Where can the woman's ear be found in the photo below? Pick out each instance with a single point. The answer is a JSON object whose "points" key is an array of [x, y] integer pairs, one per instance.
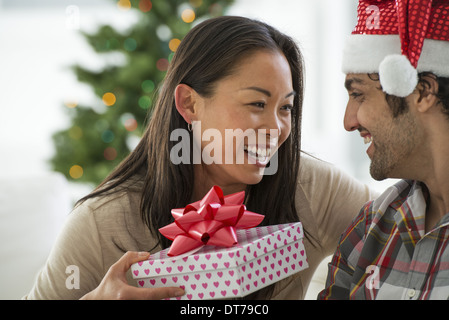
{"points": [[185, 100]]}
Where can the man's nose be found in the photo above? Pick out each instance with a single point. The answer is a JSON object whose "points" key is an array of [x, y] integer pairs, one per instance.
{"points": [[350, 120]]}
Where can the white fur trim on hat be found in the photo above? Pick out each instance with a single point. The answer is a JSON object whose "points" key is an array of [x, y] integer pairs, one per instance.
{"points": [[364, 53], [397, 76]]}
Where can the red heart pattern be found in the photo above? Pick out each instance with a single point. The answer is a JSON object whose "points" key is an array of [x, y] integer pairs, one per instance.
{"points": [[264, 255]]}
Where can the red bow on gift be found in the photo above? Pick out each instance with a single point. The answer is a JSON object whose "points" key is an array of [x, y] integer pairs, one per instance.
{"points": [[210, 221]]}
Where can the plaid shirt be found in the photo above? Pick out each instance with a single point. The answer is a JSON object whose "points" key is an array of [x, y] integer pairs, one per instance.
{"points": [[385, 253]]}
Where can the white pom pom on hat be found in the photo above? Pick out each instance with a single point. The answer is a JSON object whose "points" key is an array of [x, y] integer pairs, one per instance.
{"points": [[397, 76]]}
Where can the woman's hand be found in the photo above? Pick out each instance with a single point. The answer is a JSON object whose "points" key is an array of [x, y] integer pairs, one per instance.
{"points": [[114, 285]]}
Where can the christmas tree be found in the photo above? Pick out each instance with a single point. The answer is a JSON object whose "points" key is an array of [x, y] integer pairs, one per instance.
{"points": [[97, 141]]}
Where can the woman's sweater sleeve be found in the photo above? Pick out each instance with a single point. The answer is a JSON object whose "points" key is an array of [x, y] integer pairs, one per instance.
{"points": [[74, 266]]}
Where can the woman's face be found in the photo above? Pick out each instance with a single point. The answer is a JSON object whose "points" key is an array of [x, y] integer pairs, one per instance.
{"points": [[244, 122]]}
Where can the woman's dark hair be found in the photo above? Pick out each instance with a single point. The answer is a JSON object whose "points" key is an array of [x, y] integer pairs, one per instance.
{"points": [[208, 53]]}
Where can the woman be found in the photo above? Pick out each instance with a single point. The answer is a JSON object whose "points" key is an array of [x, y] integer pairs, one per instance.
{"points": [[228, 73]]}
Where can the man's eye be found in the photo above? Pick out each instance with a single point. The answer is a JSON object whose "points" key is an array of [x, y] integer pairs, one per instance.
{"points": [[357, 96]]}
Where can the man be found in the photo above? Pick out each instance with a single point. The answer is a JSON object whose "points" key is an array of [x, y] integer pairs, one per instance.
{"points": [[397, 66]]}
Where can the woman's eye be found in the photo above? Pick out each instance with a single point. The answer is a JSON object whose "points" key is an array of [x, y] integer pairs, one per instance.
{"points": [[287, 107], [258, 104]]}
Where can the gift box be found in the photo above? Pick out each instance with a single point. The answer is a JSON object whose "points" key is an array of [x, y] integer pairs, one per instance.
{"points": [[262, 256]]}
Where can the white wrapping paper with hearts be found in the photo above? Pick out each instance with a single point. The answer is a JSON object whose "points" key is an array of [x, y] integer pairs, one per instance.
{"points": [[263, 255]]}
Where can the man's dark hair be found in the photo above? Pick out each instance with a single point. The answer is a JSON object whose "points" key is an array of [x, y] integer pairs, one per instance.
{"points": [[399, 105]]}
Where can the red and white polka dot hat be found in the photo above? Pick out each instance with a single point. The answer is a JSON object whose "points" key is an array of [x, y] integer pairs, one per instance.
{"points": [[398, 39]]}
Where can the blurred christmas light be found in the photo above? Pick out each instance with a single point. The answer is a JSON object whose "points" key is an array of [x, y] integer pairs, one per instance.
{"points": [[188, 15], [174, 44], [107, 136], [110, 153], [132, 141], [75, 132], [130, 44], [163, 32], [131, 125], [162, 64], [71, 104], [125, 117], [76, 172], [109, 99], [124, 5], [145, 5], [148, 86], [129, 121], [145, 102]]}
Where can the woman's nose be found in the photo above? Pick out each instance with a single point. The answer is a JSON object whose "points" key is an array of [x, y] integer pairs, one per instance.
{"points": [[274, 126]]}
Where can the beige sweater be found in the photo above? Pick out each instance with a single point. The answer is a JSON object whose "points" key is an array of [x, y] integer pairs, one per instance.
{"points": [[98, 232]]}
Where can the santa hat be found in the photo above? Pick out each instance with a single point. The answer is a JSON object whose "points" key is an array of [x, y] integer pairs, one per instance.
{"points": [[399, 39]]}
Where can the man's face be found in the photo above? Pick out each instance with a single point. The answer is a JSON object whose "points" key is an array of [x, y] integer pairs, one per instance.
{"points": [[392, 140]]}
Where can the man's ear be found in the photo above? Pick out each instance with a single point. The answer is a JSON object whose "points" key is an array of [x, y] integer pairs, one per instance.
{"points": [[185, 100], [428, 90]]}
